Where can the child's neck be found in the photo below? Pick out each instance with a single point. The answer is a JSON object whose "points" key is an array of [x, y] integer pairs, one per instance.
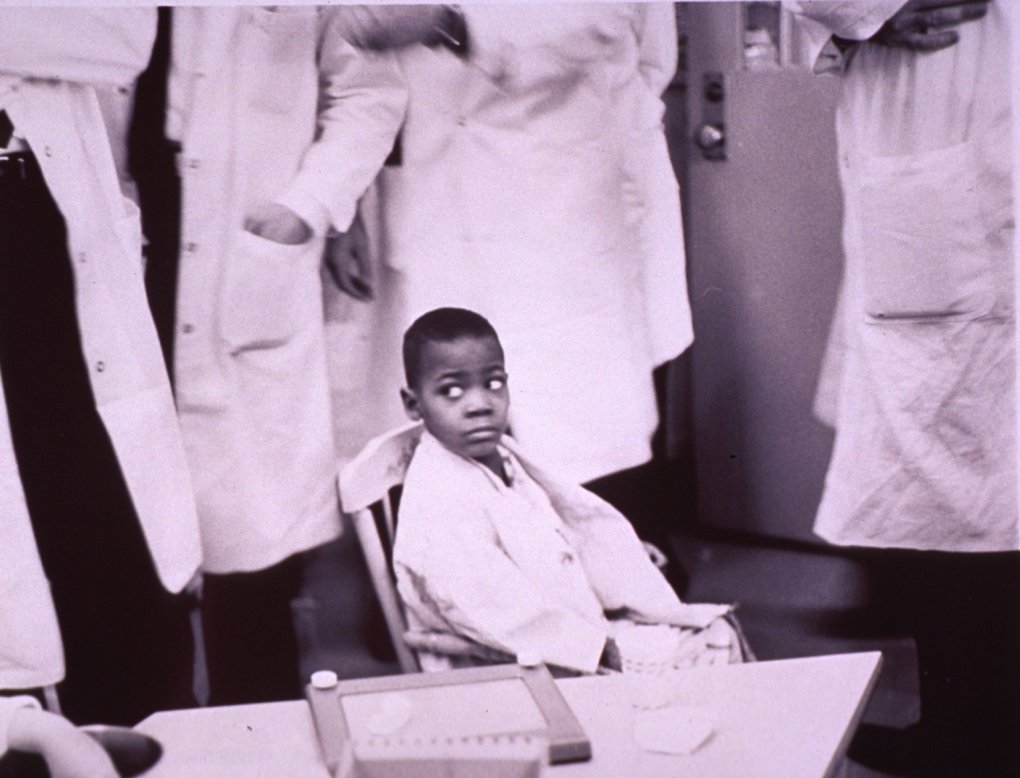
{"points": [[495, 463]]}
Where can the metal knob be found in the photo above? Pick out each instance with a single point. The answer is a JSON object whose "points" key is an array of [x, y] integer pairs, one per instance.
{"points": [[710, 137]]}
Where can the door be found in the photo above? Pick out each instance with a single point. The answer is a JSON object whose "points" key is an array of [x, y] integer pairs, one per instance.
{"points": [[762, 218]]}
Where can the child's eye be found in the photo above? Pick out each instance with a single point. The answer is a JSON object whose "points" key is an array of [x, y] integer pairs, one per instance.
{"points": [[495, 384], [452, 392]]}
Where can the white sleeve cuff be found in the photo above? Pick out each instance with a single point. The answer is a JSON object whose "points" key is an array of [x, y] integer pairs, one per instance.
{"points": [[311, 211], [855, 20], [8, 707]]}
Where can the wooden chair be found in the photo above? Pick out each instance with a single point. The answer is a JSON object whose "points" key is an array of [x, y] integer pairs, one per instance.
{"points": [[369, 492], [370, 486]]}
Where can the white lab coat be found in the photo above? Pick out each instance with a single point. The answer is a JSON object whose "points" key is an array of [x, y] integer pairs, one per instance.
{"points": [[8, 707], [525, 568], [249, 355], [60, 118], [535, 188], [920, 376]]}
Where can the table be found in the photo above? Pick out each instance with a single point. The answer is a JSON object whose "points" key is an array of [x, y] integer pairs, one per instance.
{"points": [[790, 718]]}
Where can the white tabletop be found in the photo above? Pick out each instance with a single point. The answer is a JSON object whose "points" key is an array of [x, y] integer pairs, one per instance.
{"points": [[787, 718]]}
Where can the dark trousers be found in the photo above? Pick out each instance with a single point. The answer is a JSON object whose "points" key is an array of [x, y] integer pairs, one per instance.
{"points": [[249, 636], [127, 641], [963, 611], [248, 631]]}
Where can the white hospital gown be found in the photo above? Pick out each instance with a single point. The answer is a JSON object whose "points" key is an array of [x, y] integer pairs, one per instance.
{"points": [[523, 568]]}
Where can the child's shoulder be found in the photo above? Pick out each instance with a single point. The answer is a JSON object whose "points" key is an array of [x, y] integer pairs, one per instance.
{"points": [[431, 459], [438, 480]]}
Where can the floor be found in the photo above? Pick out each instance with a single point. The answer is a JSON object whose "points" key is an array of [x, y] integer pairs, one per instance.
{"points": [[790, 603], [795, 603]]}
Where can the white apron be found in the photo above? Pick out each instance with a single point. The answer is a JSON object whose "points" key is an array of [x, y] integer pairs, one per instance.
{"points": [[921, 370]]}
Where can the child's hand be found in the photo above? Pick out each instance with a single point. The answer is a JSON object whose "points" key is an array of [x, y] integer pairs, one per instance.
{"points": [[69, 752], [717, 644]]}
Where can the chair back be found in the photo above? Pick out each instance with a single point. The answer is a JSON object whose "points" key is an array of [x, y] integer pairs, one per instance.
{"points": [[367, 486]]}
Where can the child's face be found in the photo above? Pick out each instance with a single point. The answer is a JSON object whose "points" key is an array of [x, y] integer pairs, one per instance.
{"points": [[462, 396]]}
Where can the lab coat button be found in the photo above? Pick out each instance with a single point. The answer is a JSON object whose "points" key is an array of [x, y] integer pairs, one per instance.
{"points": [[48, 151], [567, 558], [100, 366], [194, 164], [191, 248], [461, 121], [82, 257], [187, 329]]}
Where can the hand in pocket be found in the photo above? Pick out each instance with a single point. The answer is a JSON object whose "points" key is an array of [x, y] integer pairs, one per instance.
{"points": [[279, 224]]}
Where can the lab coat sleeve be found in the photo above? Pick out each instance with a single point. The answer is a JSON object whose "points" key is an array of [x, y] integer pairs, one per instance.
{"points": [[820, 20], [362, 104], [466, 578], [101, 46], [852, 19], [655, 28], [8, 707]]}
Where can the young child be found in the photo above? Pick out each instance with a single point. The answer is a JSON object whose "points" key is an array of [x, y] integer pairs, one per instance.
{"points": [[492, 549]]}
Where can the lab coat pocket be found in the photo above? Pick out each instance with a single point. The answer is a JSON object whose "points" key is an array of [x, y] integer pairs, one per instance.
{"points": [[922, 236], [272, 292]]}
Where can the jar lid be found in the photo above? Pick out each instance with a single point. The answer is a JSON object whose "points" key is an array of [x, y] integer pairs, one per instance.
{"points": [[324, 679]]}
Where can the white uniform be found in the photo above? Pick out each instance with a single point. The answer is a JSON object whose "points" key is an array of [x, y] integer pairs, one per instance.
{"points": [[60, 118], [535, 188], [246, 87], [920, 378], [8, 707]]}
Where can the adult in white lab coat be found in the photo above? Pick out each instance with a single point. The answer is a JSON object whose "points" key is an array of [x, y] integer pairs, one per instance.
{"points": [[283, 125], [920, 377], [534, 186], [97, 523]]}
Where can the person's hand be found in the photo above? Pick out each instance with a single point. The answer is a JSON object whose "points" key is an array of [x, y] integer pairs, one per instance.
{"points": [[350, 263], [385, 27], [68, 751], [277, 223], [717, 644], [929, 25]]}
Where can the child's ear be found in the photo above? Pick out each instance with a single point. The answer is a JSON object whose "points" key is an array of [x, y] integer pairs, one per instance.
{"points": [[410, 401]]}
